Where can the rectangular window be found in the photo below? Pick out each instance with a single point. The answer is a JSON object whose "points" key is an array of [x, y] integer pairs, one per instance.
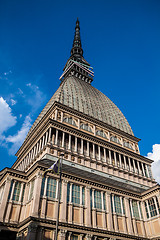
{"points": [[74, 237], [152, 207], [158, 204], [117, 204], [146, 209], [123, 206], [31, 190], [135, 209], [42, 186], [104, 201], [97, 199], [68, 191], [83, 196], [16, 192], [75, 194], [51, 187], [23, 192]]}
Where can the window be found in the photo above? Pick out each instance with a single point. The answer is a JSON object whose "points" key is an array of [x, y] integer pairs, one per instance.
{"points": [[75, 194], [152, 207], [69, 120], [117, 204], [101, 134], [97, 199], [158, 204], [86, 127], [150, 172], [16, 192], [128, 145], [115, 139], [74, 237], [23, 193], [42, 186], [51, 187], [135, 209], [83, 196], [31, 190], [146, 209]]}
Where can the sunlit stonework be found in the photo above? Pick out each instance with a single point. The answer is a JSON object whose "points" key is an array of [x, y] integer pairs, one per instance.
{"points": [[108, 191]]}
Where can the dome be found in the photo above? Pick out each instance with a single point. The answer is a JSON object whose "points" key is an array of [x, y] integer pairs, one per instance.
{"points": [[83, 97]]}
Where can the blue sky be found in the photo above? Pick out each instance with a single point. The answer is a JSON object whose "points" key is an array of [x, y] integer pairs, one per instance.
{"points": [[120, 40]]}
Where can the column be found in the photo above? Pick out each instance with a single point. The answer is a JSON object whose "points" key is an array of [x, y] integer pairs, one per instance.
{"points": [[145, 223], [143, 169], [123, 216], [125, 164], [105, 160], [139, 170], [37, 194], [70, 207], [133, 218], [49, 137], [103, 212], [128, 216], [69, 144], [41, 140], [81, 207], [147, 170], [61, 116], [56, 138], [63, 137], [87, 148], [63, 210], [134, 166], [81, 146], [93, 150], [89, 237], [88, 207], [56, 113], [99, 153], [109, 212], [44, 199], [129, 162], [141, 218], [93, 210], [110, 157], [114, 214], [46, 138], [120, 160], [115, 158], [75, 149]]}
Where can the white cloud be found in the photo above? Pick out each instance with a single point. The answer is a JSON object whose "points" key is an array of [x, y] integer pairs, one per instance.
{"points": [[19, 137], [155, 155], [13, 102], [7, 119]]}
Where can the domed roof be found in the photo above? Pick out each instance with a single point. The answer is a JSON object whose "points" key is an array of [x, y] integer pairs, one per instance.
{"points": [[83, 97]]}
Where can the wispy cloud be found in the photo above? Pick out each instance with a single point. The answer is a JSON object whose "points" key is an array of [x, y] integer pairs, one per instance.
{"points": [[35, 97], [7, 119], [17, 139], [155, 155], [13, 102]]}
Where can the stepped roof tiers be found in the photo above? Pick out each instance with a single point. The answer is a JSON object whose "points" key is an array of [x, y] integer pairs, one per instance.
{"points": [[108, 191]]}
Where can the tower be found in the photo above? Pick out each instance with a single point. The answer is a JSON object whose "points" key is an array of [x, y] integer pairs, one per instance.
{"points": [[108, 191]]}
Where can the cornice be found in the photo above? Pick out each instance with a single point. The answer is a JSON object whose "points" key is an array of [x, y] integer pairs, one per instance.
{"points": [[88, 136], [50, 224]]}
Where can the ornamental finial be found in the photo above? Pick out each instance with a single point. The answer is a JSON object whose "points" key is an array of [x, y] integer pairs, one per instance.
{"points": [[77, 50]]}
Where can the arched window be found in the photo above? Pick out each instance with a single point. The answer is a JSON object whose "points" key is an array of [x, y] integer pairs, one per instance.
{"points": [[115, 139], [101, 133], [128, 145], [69, 120], [86, 127]]}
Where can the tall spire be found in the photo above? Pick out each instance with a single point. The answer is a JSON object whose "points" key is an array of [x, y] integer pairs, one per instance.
{"points": [[76, 65], [77, 50]]}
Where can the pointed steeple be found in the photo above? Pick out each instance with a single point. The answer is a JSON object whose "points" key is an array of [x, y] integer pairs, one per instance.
{"points": [[76, 65], [77, 50]]}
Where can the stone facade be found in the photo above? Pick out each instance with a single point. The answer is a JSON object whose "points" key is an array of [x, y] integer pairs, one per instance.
{"points": [[107, 191]]}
